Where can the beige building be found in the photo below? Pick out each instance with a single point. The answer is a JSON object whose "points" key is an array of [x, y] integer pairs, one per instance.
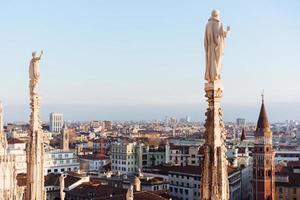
{"points": [[184, 155]]}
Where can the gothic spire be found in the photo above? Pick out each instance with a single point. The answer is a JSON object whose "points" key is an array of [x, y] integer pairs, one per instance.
{"points": [[263, 122], [243, 136]]}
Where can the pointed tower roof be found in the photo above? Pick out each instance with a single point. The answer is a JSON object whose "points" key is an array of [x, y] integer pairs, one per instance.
{"points": [[263, 122], [64, 127], [243, 136]]}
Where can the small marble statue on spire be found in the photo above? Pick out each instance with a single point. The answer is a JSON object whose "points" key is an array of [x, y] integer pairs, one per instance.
{"points": [[35, 146], [34, 71], [62, 186], [214, 46]]}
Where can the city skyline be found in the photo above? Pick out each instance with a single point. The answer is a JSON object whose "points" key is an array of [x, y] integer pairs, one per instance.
{"points": [[146, 60]]}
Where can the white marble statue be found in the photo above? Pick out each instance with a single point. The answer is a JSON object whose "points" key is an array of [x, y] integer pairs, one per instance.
{"points": [[34, 71], [129, 194], [214, 46]]}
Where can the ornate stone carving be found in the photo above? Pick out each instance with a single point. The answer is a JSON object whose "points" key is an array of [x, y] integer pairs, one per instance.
{"points": [[35, 147], [214, 180]]}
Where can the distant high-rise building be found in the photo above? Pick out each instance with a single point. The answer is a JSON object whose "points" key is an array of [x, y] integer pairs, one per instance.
{"points": [[241, 122], [56, 122], [263, 182], [187, 119]]}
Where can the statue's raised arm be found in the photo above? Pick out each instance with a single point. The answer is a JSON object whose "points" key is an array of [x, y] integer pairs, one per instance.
{"points": [[214, 46], [42, 52]]}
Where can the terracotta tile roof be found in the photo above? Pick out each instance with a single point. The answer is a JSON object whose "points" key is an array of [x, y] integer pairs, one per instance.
{"points": [[97, 191], [53, 180], [231, 170], [147, 195], [14, 141], [242, 150], [194, 170]]}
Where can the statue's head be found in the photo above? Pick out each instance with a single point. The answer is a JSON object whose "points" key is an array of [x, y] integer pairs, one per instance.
{"points": [[215, 14], [33, 54]]}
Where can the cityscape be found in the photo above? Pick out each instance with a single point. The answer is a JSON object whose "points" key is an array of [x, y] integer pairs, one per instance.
{"points": [[142, 154]]}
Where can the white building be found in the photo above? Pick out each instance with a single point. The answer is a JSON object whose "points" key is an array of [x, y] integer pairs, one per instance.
{"points": [[57, 161], [94, 162], [124, 158], [184, 155], [149, 156], [56, 122]]}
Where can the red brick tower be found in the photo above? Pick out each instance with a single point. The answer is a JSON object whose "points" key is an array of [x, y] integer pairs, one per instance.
{"points": [[263, 181], [101, 150]]}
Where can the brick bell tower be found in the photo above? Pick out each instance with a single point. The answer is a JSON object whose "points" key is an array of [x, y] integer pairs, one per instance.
{"points": [[263, 181]]}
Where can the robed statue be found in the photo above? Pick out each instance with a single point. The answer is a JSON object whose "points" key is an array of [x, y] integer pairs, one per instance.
{"points": [[34, 71], [62, 186], [214, 46]]}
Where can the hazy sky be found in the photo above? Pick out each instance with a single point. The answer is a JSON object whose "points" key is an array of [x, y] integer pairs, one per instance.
{"points": [[145, 59]]}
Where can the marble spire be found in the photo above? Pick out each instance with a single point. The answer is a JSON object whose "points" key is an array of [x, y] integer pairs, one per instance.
{"points": [[35, 148], [214, 179]]}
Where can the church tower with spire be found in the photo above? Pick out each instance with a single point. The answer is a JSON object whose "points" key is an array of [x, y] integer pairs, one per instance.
{"points": [[263, 181]]}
